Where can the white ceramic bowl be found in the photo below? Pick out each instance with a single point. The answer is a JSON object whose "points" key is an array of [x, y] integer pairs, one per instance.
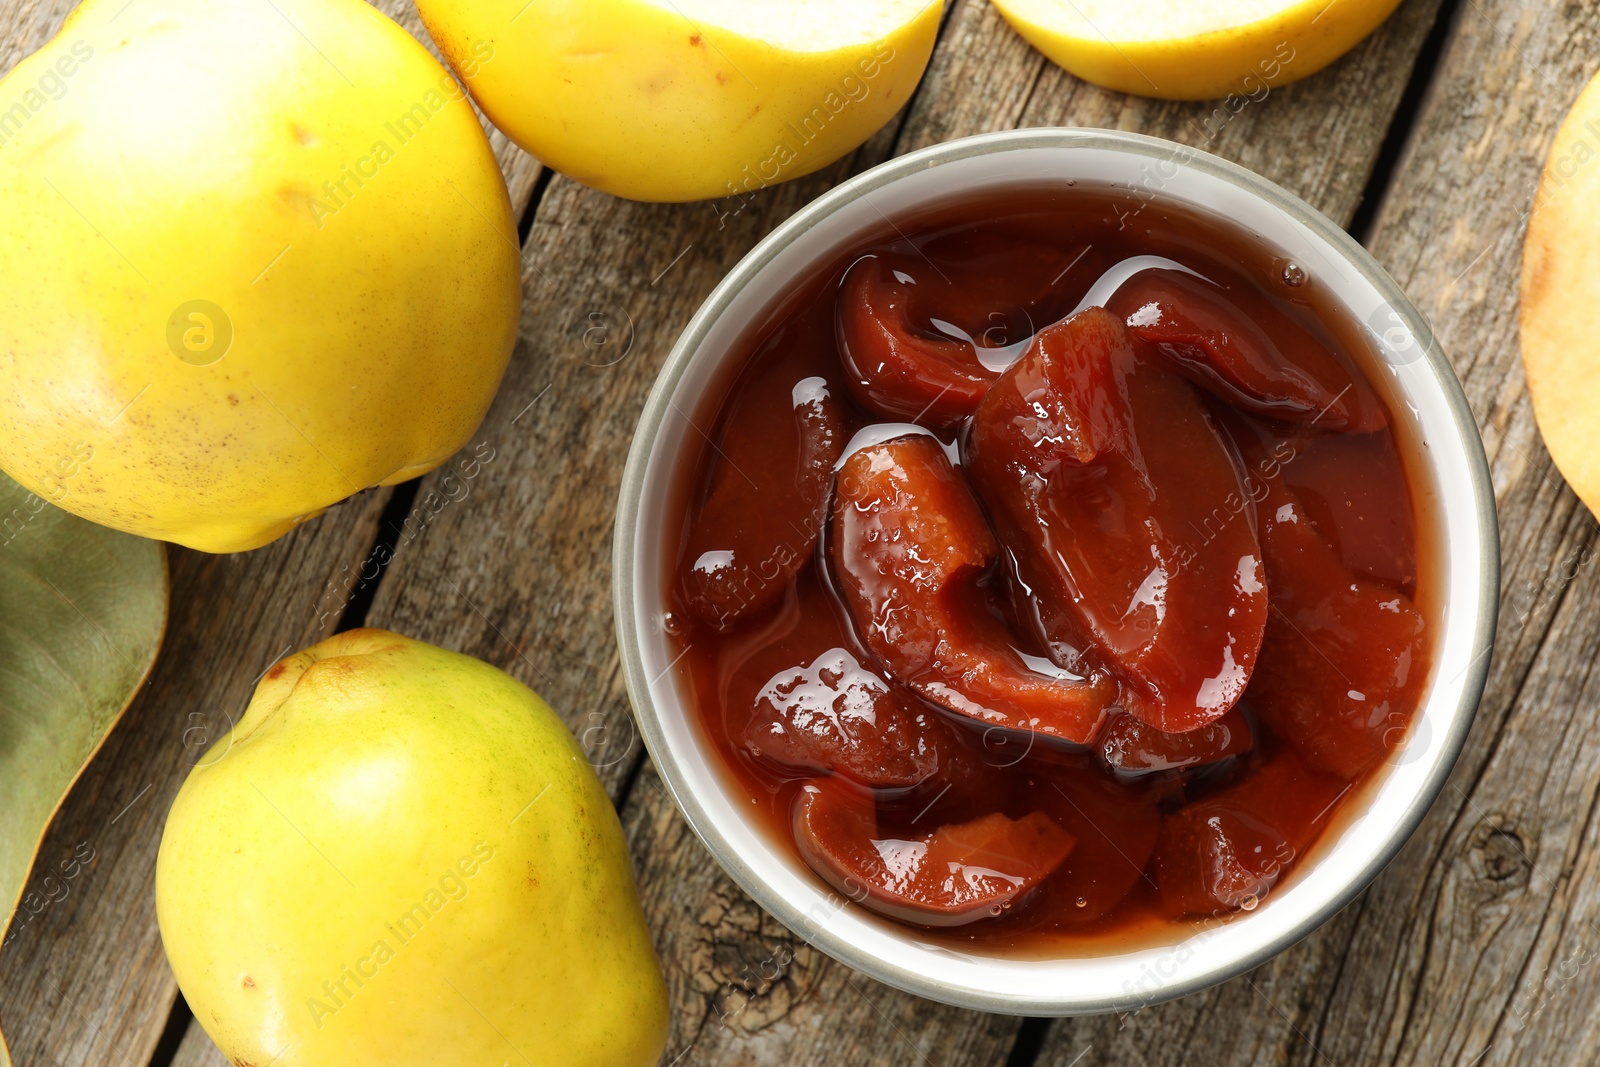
{"points": [[1450, 481]]}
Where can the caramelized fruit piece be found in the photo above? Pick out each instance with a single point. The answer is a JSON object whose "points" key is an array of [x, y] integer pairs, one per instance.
{"points": [[923, 343], [1344, 660], [760, 523], [894, 369], [956, 875], [1226, 852], [836, 715], [1258, 358], [1130, 527], [1355, 488], [908, 547], [1132, 746], [1115, 825]]}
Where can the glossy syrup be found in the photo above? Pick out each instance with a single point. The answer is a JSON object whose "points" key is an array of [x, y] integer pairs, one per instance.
{"points": [[1352, 487]]}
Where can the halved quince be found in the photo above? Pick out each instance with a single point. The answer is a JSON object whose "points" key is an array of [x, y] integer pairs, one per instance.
{"points": [[1194, 49], [673, 100], [1560, 280]]}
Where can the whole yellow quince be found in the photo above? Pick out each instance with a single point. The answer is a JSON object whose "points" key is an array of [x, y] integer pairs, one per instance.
{"points": [[254, 258], [674, 100], [400, 857]]}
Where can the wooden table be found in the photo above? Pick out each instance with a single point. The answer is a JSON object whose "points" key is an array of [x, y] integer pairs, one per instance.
{"points": [[1476, 946]]}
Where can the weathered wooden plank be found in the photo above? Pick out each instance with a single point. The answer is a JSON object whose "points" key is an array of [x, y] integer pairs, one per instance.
{"points": [[1475, 946], [86, 981], [518, 569], [25, 25]]}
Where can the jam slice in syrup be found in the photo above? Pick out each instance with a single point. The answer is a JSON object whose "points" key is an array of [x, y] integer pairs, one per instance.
{"points": [[1131, 529], [908, 547], [952, 876], [837, 716], [1344, 662], [1130, 745], [1260, 359], [1115, 825], [760, 522], [1227, 851], [922, 342]]}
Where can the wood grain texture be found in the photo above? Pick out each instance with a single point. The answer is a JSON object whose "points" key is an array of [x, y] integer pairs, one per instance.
{"points": [[517, 571], [87, 981], [25, 25], [1478, 944]]}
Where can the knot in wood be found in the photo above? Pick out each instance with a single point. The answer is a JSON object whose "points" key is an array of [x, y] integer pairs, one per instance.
{"points": [[752, 967], [1502, 854]]}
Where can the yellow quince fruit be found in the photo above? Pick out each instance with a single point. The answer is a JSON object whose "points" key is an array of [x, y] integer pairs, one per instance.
{"points": [[400, 857], [1559, 312], [254, 258], [673, 100], [1194, 49]]}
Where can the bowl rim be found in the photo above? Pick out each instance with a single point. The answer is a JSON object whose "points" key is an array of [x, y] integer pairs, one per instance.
{"points": [[626, 550]]}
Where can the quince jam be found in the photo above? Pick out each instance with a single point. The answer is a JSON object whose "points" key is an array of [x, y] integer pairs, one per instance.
{"points": [[1051, 577]]}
